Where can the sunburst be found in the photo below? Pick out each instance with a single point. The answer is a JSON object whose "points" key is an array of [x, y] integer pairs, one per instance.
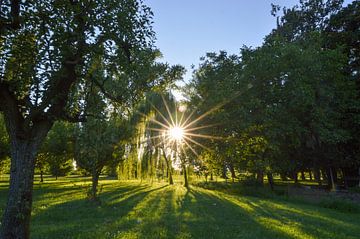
{"points": [[177, 131]]}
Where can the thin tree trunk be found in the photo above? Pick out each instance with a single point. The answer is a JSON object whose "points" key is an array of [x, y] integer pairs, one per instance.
{"points": [[260, 177], [331, 181], [95, 182], [186, 183], [303, 175], [224, 171], [232, 171], [317, 176], [41, 176], [295, 176], [271, 181], [310, 175], [168, 168]]}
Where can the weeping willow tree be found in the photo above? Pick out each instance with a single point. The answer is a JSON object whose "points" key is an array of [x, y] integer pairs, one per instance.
{"points": [[149, 153]]}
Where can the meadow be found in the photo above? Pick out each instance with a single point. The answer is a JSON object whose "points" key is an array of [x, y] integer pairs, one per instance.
{"points": [[134, 209]]}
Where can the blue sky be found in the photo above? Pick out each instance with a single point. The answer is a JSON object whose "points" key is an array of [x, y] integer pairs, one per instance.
{"points": [[187, 29]]}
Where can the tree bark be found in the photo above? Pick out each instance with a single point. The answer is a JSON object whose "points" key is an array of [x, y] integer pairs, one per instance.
{"points": [[303, 175], [168, 168], [41, 176], [186, 183], [271, 180], [16, 217], [295, 177], [232, 171], [95, 182], [260, 177], [317, 175]]}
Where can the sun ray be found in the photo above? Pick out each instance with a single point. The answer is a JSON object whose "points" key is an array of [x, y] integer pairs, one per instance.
{"points": [[197, 143], [187, 119], [176, 115], [204, 136], [155, 121], [180, 121], [200, 127], [203, 115], [158, 111], [191, 148], [162, 142], [216, 107], [168, 110]]}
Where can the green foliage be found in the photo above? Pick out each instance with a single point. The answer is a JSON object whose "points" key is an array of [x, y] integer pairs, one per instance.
{"points": [[4, 140], [291, 104], [56, 154]]}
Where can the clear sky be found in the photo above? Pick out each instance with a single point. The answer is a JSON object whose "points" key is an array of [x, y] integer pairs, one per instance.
{"points": [[187, 29]]}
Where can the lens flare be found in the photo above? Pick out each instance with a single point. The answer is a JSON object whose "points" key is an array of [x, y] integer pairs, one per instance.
{"points": [[176, 133]]}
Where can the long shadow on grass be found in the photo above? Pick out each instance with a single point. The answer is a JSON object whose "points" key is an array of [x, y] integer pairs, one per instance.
{"points": [[83, 219], [174, 212], [297, 220], [142, 211]]}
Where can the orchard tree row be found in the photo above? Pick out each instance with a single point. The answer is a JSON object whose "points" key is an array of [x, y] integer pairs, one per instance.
{"points": [[290, 106]]}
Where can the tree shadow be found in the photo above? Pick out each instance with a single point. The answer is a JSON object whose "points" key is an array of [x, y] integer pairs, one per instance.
{"points": [[160, 211], [81, 218]]}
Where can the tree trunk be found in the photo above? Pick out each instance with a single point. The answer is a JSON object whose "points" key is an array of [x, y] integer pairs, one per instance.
{"points": [[25, 141], [186, 183], [271, 181], [295, 177], [41, 176], [232, 171], [168, 168], [303, 175], [317, 176], [16, 217], [95, 182], [310, 175], [260, 177], [331, 180], [211, 177]]}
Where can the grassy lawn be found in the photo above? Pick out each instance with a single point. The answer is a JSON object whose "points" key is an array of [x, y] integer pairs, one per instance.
{"points": [[140, 210]]}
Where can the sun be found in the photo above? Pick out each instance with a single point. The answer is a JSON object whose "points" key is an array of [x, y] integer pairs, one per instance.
{"points": [[176, 133], [180, 130]]}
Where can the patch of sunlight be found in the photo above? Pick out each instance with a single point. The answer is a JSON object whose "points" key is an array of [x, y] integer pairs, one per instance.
{"points": [[315, 214], [244, 204], [292, 230], [144, 209]]}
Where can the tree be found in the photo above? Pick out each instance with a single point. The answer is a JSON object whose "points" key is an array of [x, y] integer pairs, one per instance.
{"points": [[96, 141], [47, 63], [57, 150]]}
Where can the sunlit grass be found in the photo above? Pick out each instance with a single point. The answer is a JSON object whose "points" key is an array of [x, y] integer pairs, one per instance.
{"points": [[141, 210]]}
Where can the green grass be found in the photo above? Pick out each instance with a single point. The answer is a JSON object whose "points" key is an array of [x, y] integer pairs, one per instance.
{"points": [[139, 210]]}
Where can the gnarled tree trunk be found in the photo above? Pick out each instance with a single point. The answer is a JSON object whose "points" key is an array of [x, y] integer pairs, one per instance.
{"points": [[16, 217]]}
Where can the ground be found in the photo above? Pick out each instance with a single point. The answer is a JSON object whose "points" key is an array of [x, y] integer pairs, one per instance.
{"points": [[134, 209]]}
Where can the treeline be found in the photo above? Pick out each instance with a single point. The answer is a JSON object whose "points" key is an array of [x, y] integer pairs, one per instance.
{"points": [[292, 105]]}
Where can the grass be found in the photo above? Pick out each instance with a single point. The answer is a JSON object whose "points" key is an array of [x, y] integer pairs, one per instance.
{"points": [[131, 209]]}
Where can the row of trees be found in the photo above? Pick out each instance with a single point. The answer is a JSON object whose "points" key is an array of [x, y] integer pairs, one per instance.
{"points": [[294, 103], [74, 76]]}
